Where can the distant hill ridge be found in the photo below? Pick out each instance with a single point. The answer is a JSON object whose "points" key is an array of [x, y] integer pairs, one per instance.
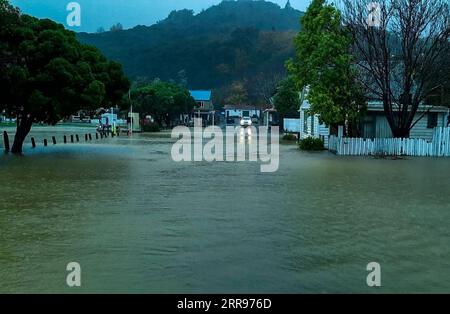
{"points": [[228, 42]]}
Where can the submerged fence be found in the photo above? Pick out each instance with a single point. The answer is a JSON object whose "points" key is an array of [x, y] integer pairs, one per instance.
{"points": [[73, 139], [439, 146]]}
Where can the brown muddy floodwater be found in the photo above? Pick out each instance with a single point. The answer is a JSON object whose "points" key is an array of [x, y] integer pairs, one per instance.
{"points": [[138, 222]]}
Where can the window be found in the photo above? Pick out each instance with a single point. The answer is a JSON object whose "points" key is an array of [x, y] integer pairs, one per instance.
{"points": [[432, 120], [312, 125]]}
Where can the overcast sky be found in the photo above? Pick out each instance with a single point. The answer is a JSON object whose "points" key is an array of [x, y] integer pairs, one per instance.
{"points": [[96, 13]]}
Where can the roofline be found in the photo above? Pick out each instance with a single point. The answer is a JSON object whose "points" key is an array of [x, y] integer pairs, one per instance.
{"points": [[377, 106]]}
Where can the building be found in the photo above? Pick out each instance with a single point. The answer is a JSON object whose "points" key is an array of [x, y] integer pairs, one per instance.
{"points": [[204, 107], [270, 117], [133, 122], [310, 125], [375, 124], [240, 111]]}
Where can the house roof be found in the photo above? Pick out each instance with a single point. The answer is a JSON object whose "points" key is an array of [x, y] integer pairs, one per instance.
{"points": [[375, 106], [305, 105], [378, 106], [201, 95]]}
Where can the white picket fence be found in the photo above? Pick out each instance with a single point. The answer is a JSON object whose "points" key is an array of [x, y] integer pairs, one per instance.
{"points": [[439, 146]]}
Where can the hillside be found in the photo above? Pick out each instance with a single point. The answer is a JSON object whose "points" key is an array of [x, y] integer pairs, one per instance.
{"points": [[234, 41]]}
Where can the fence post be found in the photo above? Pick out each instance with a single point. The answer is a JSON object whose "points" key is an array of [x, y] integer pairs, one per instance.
{"points": [[33, 143], [6, 141], [90, 137], [65, 139], [77, 137], [45, 142], [54, 140]]}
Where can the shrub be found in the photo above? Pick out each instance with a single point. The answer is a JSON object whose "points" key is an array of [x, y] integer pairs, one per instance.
{"points": [[151, 127], [289, 137], [311, 144]]}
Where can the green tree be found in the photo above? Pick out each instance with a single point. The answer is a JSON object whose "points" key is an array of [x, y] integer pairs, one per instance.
{"points": [[49, 75], [287, 99], [323, 63], [237, 94], [165, 101]]}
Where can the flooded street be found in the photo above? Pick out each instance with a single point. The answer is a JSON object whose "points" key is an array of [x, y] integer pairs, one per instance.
{"points": [[137, 221]]}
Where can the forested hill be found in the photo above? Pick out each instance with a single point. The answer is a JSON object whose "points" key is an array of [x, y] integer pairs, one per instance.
{"points": [[234, 41]]}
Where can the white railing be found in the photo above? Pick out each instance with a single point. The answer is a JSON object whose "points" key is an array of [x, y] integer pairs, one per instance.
{"points": [[439, 146]]}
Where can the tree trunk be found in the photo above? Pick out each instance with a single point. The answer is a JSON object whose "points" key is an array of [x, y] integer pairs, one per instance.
{"points": [[23, 128], [401, 132]]}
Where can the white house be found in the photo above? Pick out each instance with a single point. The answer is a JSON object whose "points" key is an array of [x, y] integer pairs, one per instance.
{"points": [[375, 124], [310, 125], [240, 111]]}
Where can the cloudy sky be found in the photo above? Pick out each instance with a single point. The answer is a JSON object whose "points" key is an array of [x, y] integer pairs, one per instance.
{"points": [[96, 13]]}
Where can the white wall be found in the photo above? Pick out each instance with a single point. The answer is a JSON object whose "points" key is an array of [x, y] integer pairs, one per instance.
{"points": [[292, 125], [420, 130], [238, 112], [313, 127]]}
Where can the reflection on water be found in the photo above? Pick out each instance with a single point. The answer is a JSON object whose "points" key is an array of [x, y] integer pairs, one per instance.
{"points": [[138, 222]]}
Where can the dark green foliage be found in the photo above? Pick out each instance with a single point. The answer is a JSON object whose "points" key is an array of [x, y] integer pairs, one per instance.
{"points": [[151, 127], [311, 144], [287, 99], [323, 63], [289, 137], [47, 75], [235, 41], [164, 101]]}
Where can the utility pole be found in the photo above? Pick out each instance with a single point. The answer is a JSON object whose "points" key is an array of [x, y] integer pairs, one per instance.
{"points": [[130, 131]]}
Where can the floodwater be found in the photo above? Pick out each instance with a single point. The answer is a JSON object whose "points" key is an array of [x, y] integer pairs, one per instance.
{"points": [[138, 222]]}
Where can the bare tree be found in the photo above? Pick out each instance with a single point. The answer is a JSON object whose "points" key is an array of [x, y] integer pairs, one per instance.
{"points": [[264, 86], [398, 45]]}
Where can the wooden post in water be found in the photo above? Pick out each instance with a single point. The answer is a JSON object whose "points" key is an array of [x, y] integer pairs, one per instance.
{"points": [[90, 137], [77, 137], [54, 140], [6, 141], [45, 142], [85, 137], [33, 143], [65, 139], [71, 138]]}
